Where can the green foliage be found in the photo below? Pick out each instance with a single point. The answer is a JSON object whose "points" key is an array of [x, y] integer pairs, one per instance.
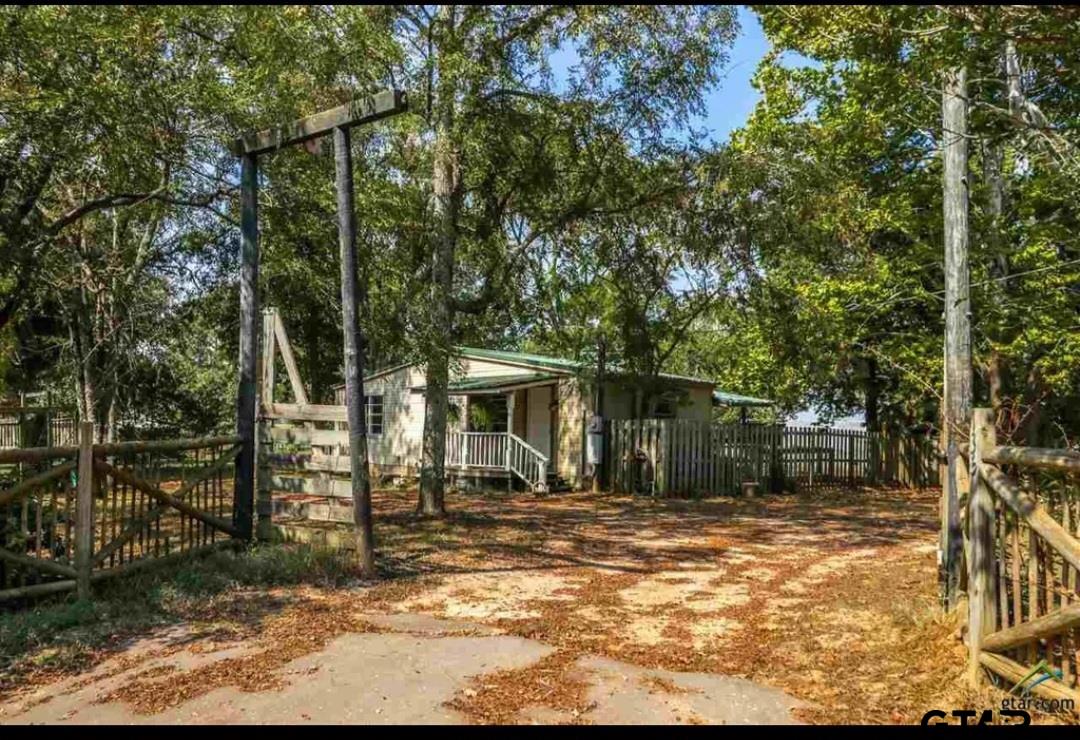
{"points": [[801, 262], [840, 175]]}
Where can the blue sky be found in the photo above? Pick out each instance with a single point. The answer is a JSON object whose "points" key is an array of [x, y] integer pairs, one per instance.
{"points": [[732, 101]]}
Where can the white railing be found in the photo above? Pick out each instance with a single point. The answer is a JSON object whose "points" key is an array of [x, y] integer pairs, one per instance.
{"points": [[10, 435], [498, 450], [527, 462], [476, 449]]}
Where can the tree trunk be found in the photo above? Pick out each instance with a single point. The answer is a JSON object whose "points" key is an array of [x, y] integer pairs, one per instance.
{"points": [[872, 422], [445, 184], [994, 156], [1034, 392], [873, 393], [958, 373]]}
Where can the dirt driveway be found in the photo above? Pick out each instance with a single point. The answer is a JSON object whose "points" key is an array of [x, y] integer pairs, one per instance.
{"points": [[569, 608]]}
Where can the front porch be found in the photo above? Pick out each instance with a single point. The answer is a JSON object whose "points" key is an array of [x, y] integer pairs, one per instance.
{"points": [[497, 455], [506, 427]]}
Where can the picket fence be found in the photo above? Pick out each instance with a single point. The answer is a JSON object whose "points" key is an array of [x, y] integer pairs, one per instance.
{"points": [[675, 457]]}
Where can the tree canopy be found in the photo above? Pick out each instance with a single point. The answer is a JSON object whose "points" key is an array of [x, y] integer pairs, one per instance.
{"points": [[549, 183]]}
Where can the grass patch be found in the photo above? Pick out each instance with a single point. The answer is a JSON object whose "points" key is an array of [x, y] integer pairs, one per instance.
{"points": [[61, 635]]}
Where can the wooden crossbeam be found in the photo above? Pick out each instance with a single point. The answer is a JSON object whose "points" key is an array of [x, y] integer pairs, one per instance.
{"points": [[1054, 623], [1037, 517], [36, 454], [49, 566], [306, 412], [18, 491], [165, 445], [159, 508], [312, 437], [1034, 457], [364, 109], [151, 490]]}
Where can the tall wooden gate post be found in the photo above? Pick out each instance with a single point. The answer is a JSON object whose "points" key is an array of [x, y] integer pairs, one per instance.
{"points": [[981, 582], [354, 348], [84, 511], [244, 486]]}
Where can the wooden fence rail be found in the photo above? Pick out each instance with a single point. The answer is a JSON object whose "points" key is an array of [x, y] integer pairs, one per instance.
{"points": [[682, 457], [73, 515], [1024, 566]]}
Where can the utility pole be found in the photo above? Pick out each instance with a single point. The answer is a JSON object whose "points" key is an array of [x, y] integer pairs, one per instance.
{"points": [[957, 401]]}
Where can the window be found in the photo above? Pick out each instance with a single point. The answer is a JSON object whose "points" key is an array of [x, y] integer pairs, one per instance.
{"points": [[374, 414], [488, 414], [664, 408]]}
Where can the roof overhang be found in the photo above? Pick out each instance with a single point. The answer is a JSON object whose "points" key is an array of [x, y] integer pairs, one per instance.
{"points": [[496, 384], [722, 398]]}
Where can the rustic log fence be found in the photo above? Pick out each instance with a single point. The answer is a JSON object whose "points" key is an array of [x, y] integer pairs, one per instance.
{"points": [[1023, 556], [72, 515], [684, 457]]}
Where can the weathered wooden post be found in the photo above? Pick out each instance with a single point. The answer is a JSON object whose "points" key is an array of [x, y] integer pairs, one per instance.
{"points": [[599, 478], [354, 359], [982, 587], [84, 511], [958, 373], [264, 507], [244, 486]]}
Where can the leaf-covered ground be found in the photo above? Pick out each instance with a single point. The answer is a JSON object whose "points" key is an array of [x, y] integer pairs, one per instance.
{"points": [[831, 599]]}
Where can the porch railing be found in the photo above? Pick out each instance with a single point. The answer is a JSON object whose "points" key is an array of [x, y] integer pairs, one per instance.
{"points": [[476, 449], [498, 450], [527, 462]]}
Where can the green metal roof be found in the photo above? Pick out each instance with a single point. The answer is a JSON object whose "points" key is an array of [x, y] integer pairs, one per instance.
{"points": [[522, 358], [734, 399], [562, 366], [557, 363], [493, 383]]}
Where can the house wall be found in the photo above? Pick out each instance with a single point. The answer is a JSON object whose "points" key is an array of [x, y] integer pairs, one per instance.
{"points": [[619, 402], [398, 448], [538, 421], [572, 415]]}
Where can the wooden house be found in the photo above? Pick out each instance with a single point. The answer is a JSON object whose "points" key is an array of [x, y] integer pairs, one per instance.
{"points": [[513, 415]]}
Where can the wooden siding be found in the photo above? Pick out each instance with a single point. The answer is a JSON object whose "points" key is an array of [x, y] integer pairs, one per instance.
{"points": [[572, 416], [398, 448]]}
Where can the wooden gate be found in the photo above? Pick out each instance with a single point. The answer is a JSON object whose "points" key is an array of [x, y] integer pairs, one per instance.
{"points": [[1024, 565], [73, 515]]}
